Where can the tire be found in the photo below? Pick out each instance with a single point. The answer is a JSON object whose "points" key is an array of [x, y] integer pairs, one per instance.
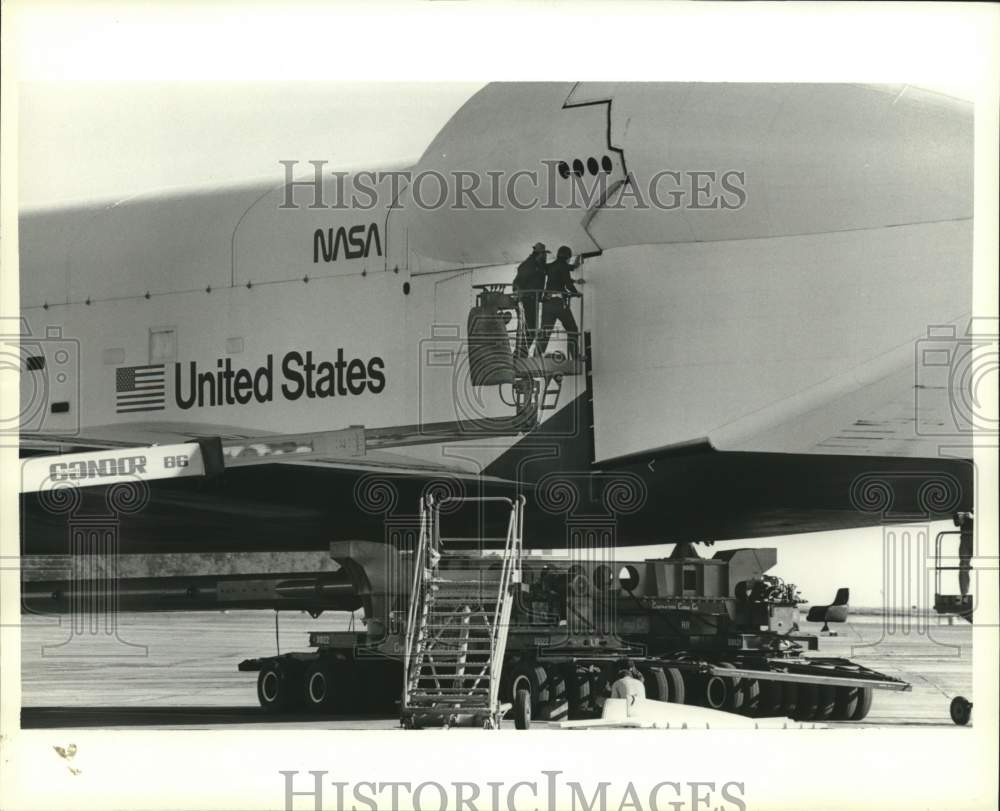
{"points": [[751, 698], [960, 710], [737, 696], [864, 704], [527, 674], [581, 703], [557, 706], [730, 692], [555, 683], [772, 699], [319, 685], [790, 699], [808, 701], [675, 679], [694, 688], [717, 692], [657, 686], [522, 709], [846, 703], [826, 697], [279, 686]]}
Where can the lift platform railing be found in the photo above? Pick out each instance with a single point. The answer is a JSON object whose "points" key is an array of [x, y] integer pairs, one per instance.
{"points": [[950, 604], [938, 568], [510, 303]]}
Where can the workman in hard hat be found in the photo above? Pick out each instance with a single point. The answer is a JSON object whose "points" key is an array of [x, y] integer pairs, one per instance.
{"points": [[559, 288], [529, 283]]}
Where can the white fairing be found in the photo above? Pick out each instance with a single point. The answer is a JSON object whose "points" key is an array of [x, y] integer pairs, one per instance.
{"points": [[782, 323]]}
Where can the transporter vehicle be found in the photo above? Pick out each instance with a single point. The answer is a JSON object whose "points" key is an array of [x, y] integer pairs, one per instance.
{"points": [[488, 630], [295, 376]]}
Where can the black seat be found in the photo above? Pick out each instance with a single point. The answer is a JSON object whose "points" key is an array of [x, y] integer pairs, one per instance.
{"points": [[835, 612]]}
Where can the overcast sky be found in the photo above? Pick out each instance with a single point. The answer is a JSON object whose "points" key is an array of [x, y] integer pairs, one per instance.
{"points": [[94, 140], [87, 140]]}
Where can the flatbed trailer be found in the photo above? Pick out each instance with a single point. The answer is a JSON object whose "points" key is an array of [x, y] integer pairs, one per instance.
{"points": [[717, 632]]}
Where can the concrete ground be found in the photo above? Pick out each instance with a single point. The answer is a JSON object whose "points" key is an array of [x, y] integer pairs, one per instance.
{"points": [[179, 670]]}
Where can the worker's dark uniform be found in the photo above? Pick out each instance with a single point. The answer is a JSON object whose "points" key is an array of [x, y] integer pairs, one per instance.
{"points": [[528, 285], [558, 288]]}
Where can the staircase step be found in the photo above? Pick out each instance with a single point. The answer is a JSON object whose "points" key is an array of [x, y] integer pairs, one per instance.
{"points": [[452, 691], [456, 601], [457, 578], [454, 688], [453, 704], [455, 653], [449, 658], [445, 611]]}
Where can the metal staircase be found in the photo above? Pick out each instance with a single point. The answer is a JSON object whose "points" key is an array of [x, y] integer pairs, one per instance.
{"points": [[456, 633]]}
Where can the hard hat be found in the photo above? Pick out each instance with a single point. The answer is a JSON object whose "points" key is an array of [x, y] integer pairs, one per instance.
{"points": [[564, 252], [539, 247]]}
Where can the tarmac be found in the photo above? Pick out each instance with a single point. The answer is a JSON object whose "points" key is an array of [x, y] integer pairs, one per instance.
{"points": [[178, 670]]}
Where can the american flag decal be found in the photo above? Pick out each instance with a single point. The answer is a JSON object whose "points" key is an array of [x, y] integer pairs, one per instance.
{"points": [[140, 388]]}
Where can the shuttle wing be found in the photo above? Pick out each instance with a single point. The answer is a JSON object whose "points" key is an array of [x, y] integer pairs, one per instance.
{"points": [[113, 456]]}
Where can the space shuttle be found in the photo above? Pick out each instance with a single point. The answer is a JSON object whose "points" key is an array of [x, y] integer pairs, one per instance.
{"points": [[775, 317]]}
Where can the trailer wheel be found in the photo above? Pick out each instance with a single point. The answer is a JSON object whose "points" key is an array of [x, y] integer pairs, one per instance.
{"points": [[555, 683], [826, 697], [657, 686], [732, 691], [675, 680], [808, 701], [751, 697], [557, 706], [522, 709], [693, 683], [580, 703], [718, 692], [319, 687], [772, 699], [527, 674], [790, 699], [846, 703], [864, 704], [278, 686], [960, 710]]}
